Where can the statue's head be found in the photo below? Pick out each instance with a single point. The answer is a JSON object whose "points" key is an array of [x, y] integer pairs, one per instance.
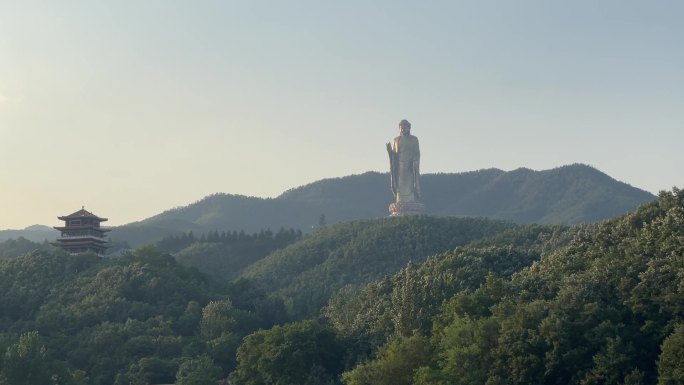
{"points": [[404, 127]]}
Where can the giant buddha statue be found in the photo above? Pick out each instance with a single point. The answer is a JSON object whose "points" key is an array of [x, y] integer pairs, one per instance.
{"points": [[404, 154]]}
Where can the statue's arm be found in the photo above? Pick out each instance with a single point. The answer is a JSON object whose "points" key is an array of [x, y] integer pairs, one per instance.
{"points": [[393, 168], [416, 170]]}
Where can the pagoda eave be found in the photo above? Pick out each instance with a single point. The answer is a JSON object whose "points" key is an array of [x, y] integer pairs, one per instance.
{"points": [[84, 238], [82, 217]]}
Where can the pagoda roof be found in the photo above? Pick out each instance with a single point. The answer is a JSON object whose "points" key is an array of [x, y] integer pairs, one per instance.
{"points": [[82, 213]]}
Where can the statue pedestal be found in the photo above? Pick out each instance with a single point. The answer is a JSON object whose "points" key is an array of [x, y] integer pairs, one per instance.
{"points": [[406, 208]]}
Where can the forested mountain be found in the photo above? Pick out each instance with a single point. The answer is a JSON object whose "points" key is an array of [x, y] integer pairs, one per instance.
{"points": [[607, 308], [566, 195], [471, 301]]}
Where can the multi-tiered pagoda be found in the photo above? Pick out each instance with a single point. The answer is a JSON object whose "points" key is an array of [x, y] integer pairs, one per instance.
{"points": [[82, 233]]}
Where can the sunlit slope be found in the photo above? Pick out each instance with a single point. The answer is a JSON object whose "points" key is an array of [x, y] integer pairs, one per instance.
{"points": [[306, 273]]}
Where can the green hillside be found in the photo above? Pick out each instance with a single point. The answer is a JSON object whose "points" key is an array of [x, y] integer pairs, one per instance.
{"points": [[140, 319], [605, 308], [306, 273]]}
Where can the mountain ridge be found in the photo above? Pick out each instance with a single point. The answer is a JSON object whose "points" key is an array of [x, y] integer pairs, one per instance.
{"points": [[569, 194], [33, 233]]}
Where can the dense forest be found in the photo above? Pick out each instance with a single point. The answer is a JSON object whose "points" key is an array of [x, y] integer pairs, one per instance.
{"points": [[12, 248], [418, 300], [225, 255], [305, 274], [141, 319]]}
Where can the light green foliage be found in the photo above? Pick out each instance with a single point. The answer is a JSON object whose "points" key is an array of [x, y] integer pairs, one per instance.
{"points": [[671, 360], [222, 327], [466, 350], [396, 363], [217, 319]]}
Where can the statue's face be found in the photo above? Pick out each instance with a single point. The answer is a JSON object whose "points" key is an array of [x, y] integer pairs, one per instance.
{"points": [[405, 129]]}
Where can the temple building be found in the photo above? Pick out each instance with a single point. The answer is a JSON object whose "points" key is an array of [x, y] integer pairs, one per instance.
{"points": [[82, 233]]}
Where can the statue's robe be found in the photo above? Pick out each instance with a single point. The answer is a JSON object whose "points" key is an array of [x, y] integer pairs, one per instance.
{"points": [[408, 161]]}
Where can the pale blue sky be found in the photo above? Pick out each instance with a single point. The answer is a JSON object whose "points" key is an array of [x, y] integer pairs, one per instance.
{"points": [[134, 107]]}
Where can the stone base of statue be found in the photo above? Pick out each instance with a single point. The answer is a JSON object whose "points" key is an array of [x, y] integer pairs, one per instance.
{"points": [[400, 209]]}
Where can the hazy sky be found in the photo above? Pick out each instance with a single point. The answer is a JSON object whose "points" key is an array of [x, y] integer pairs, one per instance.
{"points": [[133, 107]]}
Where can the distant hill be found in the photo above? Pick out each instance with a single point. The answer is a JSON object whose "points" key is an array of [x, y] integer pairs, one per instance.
{"points": [[35, 233], [565, 195]]}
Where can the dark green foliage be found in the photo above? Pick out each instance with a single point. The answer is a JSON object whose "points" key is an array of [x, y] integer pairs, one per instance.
{"points": [[26, 362], [124, 320], [13, 248], [224, 255], [198, 371], [308, 272], [306, 353], [26, 282], [148, 370]]}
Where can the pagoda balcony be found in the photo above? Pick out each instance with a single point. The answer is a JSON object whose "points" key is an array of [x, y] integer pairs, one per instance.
{"points": [[75, 236]]}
